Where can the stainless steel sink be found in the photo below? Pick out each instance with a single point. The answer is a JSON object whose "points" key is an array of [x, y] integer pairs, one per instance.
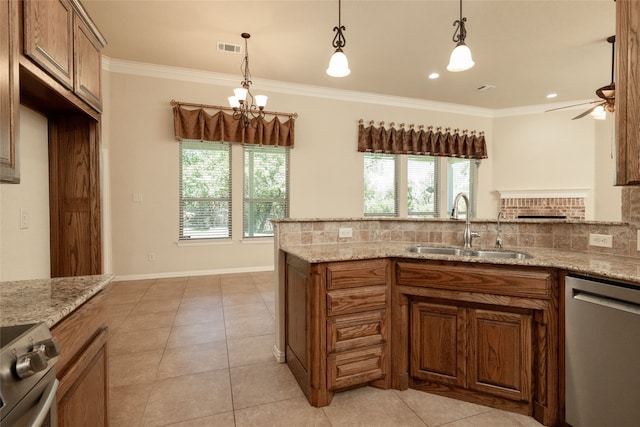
{"points": [[497, 254], [433, 250]]}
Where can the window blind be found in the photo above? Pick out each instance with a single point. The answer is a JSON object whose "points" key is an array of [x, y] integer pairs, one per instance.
{"points": [[380, 184], [266, 188], [205, 190], [422, 193]]}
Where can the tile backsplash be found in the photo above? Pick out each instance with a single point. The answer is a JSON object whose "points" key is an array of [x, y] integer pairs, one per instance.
{"points": [[554, 234]]}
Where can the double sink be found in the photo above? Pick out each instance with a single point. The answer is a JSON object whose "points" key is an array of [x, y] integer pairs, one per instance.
{"points": [[476, 253]]}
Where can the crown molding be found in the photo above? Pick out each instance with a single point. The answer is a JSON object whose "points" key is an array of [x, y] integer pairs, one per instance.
{"points": [[208, 77]]}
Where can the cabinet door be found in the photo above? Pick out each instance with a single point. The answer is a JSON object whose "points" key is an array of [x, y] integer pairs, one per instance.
{"points": [[87, 62], [628, 92], [438, 343], [48, 37], [9, 93], [82, 396], [500, 353]]}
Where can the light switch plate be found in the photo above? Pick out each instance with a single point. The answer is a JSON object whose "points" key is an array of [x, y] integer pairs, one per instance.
{"points": [[24, 219], [601, 240]]}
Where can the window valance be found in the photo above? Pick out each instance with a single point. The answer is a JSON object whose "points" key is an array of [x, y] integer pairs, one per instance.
{"points": [[427, 142], [198, 124]]}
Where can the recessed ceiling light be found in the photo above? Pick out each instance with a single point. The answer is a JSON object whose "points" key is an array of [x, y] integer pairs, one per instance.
{"points": [[552, 95], [434, 76]]}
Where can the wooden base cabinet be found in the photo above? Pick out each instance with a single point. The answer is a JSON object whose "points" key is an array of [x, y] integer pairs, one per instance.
{"points": [[475, 349], [481, 333], [337, 325], [82, 367]]}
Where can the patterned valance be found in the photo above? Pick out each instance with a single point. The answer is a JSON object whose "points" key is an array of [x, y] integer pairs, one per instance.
{"points": [[427, 142], [198, 124]]}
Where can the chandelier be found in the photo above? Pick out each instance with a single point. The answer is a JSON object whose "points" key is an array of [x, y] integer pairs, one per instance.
{"points": [[247, 108], [460, 59]]}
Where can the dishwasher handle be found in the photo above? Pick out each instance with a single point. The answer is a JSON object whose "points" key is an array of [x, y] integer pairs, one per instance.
{"points": [[605, 301]]}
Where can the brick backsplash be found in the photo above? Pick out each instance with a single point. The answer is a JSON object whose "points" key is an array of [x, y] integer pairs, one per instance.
{"points": [[569, 207], [554, 234]]}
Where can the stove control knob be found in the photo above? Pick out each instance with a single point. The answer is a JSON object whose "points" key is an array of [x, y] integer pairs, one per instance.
{"points": [[51, 347], [31, 362]]}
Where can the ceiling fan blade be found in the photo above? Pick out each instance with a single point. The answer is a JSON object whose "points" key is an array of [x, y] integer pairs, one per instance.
{"points": [[570, 106], [588, 111]]}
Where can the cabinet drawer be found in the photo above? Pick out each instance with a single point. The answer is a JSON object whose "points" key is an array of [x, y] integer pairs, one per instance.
{"points": [[345, 301], [356, 367], [477, 278], [357, 273], [356, 331]]}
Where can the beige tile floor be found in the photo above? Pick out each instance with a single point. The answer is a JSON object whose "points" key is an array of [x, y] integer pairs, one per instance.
{"points": [[197, 351]]}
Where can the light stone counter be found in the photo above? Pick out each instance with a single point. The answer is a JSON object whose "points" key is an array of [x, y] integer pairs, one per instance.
{"points": [[46, 300], [608, 266]]}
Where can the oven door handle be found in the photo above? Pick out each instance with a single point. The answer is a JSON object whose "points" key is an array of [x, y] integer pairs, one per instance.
{"points": [[44, 405]]}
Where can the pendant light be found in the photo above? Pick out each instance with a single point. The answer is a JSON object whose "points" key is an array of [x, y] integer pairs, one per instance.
{"points": [[461, 56], [247, 108], [339, 64]]}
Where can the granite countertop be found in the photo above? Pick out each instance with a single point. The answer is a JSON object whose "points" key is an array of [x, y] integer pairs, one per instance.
{"points": [[46, 300], [607, 266]]}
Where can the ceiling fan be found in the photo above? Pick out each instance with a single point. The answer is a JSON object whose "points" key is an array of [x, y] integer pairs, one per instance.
{"points": [[607, 94]]}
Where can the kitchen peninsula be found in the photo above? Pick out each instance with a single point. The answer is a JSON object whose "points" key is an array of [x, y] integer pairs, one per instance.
{"points": [[368, 312]]}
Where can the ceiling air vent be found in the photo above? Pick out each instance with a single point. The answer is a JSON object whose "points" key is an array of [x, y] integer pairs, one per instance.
{"points": [[486, 87], [228, 47]]}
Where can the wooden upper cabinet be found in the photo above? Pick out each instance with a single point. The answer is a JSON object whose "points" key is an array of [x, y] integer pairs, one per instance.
{"points": [[628, 92], [87, 63], [48, 37], [61, 39], [9, 93]]}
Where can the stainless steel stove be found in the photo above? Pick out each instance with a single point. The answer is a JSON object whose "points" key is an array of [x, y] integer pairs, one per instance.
{"points": [[28, 383]]}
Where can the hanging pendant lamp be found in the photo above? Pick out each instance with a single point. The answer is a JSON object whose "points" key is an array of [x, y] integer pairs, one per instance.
{"points": [[460, 59], [339, 64]]}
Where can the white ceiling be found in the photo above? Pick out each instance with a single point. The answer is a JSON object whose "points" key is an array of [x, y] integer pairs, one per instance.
{"points": [[526, 49]]}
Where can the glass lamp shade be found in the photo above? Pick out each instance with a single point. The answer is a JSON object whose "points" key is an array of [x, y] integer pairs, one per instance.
{"points": [[460, 59], [261, 100], [240, 93], [339, 64], [233, 102], [599, 113]]}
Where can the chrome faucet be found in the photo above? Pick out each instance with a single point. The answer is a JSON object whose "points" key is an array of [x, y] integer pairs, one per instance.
{"points": [[468, 234], [499, 230]]}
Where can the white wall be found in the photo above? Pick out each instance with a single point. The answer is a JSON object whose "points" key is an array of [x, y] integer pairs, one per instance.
{"points": [[26, 252], [326, 170], [140, 155], [546, 151]]}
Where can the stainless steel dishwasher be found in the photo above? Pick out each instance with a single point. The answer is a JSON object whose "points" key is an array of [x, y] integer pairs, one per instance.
{"points": [[602, 357]]}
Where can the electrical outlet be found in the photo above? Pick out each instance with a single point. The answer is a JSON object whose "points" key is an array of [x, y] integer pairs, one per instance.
{"points": [[24, 219], [345, 232], [602, 240], [151, 256], [137, 197]]}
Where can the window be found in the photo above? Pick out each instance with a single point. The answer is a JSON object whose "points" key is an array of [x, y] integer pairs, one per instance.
{"points": [[205, 190], [461, 175], [422, 186], [380, 185], [266, 188]]}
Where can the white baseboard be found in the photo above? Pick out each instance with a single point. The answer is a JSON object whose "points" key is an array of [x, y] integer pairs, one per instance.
{"points": [[164, 275], [279, 355]]}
